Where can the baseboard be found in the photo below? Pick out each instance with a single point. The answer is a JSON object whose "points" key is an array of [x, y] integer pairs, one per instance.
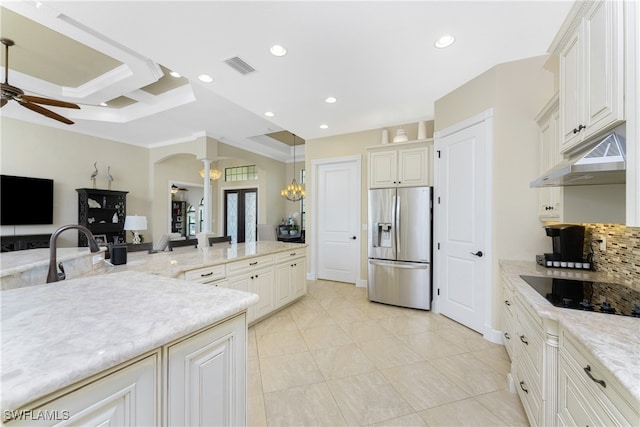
{"points": [[360, 283], [493, 335], [311, 276]]}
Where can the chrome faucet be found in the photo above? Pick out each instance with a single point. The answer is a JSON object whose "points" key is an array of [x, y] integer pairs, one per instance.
{"points": [[53, 275]]}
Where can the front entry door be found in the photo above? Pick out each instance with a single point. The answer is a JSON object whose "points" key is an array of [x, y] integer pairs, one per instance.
{"points": [[241, 214], [338, 218], [462, 282]]}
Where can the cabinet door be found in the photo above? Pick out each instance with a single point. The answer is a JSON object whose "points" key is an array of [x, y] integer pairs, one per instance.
{"points": [[412, 167], [604, 75], [383, 169], [262, 284], [283, 284], [549, 198], [127, 397], [206, 378], [299, 278], [571, 94]]}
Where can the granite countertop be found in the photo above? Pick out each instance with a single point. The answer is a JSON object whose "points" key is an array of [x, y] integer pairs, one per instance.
{"points": [[54, 335], [175, 263], [612, 340], [20, 261]]}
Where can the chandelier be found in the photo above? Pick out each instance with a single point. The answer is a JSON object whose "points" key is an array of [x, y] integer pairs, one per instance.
{"points": [[294, 191], [213, 174]]}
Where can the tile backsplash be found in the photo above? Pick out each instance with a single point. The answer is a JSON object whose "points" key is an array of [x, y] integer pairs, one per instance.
{"points": [[622, 256]]}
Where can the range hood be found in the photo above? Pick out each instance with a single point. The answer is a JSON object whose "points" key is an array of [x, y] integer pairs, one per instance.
{"points": [[604, 163]]}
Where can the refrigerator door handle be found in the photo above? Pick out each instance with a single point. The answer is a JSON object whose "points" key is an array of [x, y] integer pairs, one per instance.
{"points": [[397, 223], [375, 239], [413, 266]]}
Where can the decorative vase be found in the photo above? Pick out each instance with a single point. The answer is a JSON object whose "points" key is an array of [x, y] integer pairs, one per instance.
{"points": [[401, 136], [422, 130], [385, 136]]}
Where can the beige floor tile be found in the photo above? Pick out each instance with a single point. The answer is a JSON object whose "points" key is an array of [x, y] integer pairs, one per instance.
{"points": [[368, 398], [280, 343], [288, 371], [389, 352], [411, 420], [254, 379], [279, 322], [325, 337], [366, 330], [423, 386], [470, 373], [506, 406], [311, 405], [406, 325], [337, 301], [468, 339], [377, 310], [312, 318], [340, 362], [496, 357], [256, 415], [430, 345], [348, 315], [252, 346], [462, 413]]}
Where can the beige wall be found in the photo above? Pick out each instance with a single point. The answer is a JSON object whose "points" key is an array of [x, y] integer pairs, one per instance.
{"points": [[66, 157], [516, 91]]}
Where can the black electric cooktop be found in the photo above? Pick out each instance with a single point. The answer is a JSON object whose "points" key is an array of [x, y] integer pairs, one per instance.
{"points": [[609, 298]]}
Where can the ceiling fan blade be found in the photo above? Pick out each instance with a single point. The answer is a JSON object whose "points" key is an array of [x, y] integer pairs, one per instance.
{"points": [[47, 101], [3, 103], [44, 111]]}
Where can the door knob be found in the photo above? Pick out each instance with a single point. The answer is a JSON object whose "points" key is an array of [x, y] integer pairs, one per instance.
{"points": [[353, 237], [478, 254]]}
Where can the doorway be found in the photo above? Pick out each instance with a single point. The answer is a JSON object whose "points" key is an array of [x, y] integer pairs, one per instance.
{"points": [[462, 282], [241, 214]]}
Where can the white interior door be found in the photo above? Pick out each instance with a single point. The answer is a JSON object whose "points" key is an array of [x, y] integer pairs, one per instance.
{"points": [[338, 217], [462, 213]]}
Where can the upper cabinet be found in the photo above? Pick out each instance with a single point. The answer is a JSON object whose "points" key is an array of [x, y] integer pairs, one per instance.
{"points": [[406, 164], [549, 198], [591, 53]]}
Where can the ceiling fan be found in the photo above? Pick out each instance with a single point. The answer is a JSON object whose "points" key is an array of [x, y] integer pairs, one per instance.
{"points": [[31, 102]]}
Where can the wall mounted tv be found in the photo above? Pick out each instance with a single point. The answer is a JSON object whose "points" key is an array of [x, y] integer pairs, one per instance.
{"points": [[25, 201]]}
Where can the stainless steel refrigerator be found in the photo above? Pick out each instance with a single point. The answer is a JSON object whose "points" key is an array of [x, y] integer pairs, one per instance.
{"points": [[400, 246]]}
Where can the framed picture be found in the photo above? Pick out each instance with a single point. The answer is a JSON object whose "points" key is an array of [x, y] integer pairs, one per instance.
{"points": [[101, 239]]}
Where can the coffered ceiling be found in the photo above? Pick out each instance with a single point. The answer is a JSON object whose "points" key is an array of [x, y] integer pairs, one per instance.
{"points": [[377, 58]]}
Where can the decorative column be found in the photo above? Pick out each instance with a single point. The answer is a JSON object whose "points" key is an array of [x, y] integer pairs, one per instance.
{"points": [[207, 197]]}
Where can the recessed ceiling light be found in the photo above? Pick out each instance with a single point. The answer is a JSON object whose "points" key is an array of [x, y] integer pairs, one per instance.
{"points": [[278, 50], [205, 78], [324, 126], [445, 41], [330, 100], [269, 114], [175, 74]]}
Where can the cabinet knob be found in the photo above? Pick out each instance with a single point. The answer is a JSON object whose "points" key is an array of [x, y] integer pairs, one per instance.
{"points": [[524, 341], [506, 335], [522, 387], [507, 302], [579, 128]]}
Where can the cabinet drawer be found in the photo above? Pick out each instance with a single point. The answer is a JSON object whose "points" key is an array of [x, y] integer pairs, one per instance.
{"points": [[205, 274], [529, 394], [292, 254], [530, 344], [246, 265], [611, 395]]}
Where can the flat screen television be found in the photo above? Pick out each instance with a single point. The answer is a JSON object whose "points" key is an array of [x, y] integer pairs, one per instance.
{"points": [[25, 201]]}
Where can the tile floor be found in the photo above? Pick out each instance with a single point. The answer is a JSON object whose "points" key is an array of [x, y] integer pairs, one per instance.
{"points": [[334, 358]]}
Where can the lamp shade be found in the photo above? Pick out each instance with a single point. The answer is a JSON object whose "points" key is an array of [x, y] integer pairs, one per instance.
{"points": [[135, 222]]}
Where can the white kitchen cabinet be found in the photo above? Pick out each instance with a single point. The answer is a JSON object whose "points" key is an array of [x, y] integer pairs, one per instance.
{"points": [[401, 165], [588, 393], [206, 377], [549, 198], [255, 275], [290, 276], [127, 396], [508, 318], [591, 53]]}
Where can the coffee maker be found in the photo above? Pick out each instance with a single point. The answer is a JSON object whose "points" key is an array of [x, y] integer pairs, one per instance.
{"points": [[567, 243]]}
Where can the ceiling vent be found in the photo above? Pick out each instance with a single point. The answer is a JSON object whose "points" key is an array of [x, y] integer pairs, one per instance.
{"points": [[239, 65]]}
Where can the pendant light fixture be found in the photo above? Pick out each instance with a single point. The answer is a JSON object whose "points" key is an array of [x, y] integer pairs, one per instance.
{"points": [[294, 191]]}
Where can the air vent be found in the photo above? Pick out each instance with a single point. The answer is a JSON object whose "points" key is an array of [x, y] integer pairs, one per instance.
{"points": [[239, 65]]}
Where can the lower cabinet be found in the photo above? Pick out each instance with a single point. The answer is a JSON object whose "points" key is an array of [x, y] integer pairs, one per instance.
{"points": [[129, 396], [206, 382], [588, 393], [290, 276], [198, 380]]}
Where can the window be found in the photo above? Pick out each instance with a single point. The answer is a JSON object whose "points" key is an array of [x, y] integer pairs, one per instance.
{"points": [[303, 179], [241, 173]]}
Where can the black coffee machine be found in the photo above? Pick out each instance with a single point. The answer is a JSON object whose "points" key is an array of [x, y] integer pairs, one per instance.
{"points": [[568, 243]]}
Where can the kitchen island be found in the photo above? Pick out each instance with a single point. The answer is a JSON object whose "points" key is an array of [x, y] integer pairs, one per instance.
{"points": [[569, 366], [69, 347]]}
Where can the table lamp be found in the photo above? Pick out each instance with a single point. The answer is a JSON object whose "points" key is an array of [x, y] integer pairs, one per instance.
{"points": [[135, 223]]}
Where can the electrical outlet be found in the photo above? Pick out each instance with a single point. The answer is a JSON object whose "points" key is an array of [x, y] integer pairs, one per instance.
{"points": [[603, 244]]}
